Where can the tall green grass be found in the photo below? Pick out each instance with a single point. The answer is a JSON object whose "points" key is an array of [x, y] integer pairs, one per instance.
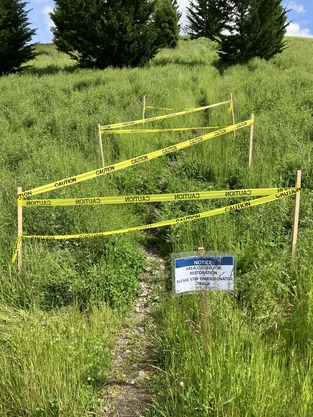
{"points": [[261, 343], [53, 364], [243, 375], [262, 366]]}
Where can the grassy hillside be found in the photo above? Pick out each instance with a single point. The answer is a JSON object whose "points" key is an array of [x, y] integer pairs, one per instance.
{"points": [[56, 319]]}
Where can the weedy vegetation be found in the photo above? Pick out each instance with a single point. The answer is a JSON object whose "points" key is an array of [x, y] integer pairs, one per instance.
{"points": [[58, 319]]}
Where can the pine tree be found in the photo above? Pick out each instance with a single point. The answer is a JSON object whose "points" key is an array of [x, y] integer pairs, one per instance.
{"points": [[166, 22], [102, 33], [178, 12], [206, 18], [15, 35], [177, 9], [256, 28]]}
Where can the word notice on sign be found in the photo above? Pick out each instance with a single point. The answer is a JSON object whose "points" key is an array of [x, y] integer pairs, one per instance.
{"points": [[200, 273]]}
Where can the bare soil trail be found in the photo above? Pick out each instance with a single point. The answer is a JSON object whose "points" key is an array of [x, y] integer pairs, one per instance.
{"points": [[129, 389]]}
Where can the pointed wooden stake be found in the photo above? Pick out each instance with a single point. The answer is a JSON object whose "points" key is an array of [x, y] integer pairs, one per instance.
{"points": [[19, 233], [296, 216], [100, 144], [143, 107], [232, 111], [251, 141]]}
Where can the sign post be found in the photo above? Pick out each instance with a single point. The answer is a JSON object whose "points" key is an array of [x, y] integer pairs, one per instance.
{"points": [[205, 322], [202, 273]]}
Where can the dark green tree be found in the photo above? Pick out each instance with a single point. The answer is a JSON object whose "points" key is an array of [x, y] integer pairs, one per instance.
{"points": [[256, 28], [102, 33], [15, 36], [207, 18], [166, 23], [177, 9]]}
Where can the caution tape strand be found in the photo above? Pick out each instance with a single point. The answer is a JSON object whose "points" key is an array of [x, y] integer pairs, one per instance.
{"points": [[176, 129], [162, 117], [132, 162], [150, 198], [205, 214]]}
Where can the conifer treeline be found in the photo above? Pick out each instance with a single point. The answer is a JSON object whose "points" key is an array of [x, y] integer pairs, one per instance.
{"points": [[128, 33]]}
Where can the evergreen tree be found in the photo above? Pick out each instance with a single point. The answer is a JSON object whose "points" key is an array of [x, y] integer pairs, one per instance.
{"points": [[166, 22], [177, 9], [256, 28], [15, 36], [207, 18], [102, 33]]}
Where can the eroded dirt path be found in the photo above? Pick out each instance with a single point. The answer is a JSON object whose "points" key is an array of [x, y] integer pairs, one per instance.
{"points": [[129, 388]]}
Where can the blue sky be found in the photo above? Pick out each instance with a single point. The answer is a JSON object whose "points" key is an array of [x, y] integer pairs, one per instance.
{"points": [[300, 16]]}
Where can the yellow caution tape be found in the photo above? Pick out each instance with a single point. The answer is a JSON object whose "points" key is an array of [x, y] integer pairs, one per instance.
{"points": [[158, 108], [188, 218], [151, 198], [184, 219], [131, 162], [166, 108], [176, 129], [162, 117], [16, 248]]}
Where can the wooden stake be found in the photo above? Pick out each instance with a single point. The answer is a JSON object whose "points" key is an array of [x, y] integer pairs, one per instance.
{"points": [[143, 107], [296, 216], [100, 144], [206, 329], [251, 141], [232, 111], [19, 233], [201, 251]]}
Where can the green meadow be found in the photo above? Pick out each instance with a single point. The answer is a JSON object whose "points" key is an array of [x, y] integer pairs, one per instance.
{"points": [[59, 318]]}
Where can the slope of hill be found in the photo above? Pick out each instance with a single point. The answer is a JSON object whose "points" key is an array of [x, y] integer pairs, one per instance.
{"points": [[59, 318]]}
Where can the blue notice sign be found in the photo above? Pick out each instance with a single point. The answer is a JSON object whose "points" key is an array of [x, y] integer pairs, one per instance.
{"points": [[196, 273]]}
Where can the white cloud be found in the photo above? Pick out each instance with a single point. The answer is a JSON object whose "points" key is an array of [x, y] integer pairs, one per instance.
{"points": [[46, 12], [298, 8], [183, 3], [294, 29]]}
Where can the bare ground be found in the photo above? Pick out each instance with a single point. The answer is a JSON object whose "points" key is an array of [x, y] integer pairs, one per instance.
{"points": [[129, 389]]}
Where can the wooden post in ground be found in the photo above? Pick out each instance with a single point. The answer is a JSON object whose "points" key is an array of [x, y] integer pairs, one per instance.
{"points": [[19, 233], [100, 144], [143, 107], [232, 111], [205, 323], [251, 141], [296, 215]]}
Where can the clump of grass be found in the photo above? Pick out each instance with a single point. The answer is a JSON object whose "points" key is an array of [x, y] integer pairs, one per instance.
{"points": [[53, 363], [234, 371]]}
